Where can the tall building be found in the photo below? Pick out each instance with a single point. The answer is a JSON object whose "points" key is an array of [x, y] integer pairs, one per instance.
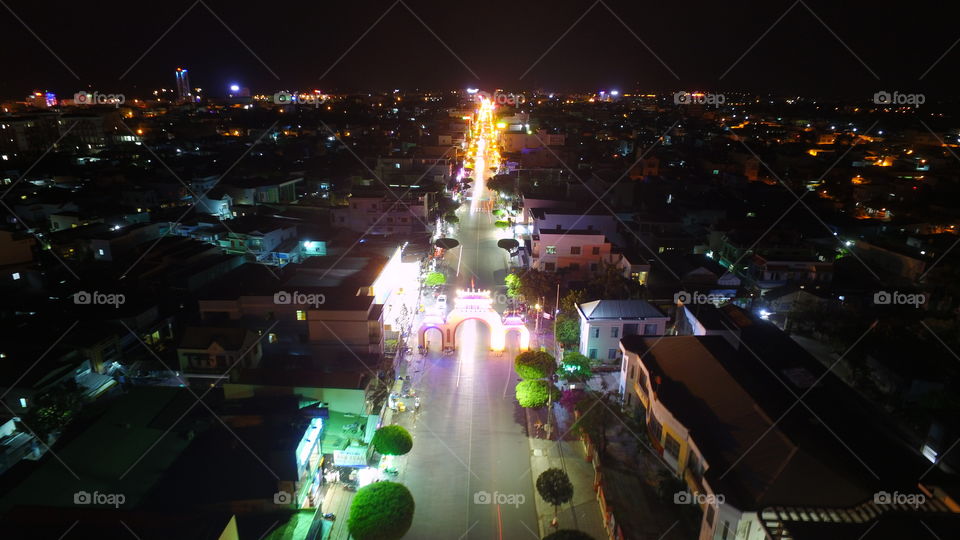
{"points": [[183, 85]]}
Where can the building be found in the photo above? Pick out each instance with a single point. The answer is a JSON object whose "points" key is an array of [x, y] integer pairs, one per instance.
{"points": [[603, 323], [551, 219], [384, 214], [184, 94], [212, 352], [725, 421], [253, 191], [576, 251]]}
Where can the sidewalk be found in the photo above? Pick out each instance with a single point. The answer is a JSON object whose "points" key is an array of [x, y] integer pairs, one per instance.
{"points": [[336, 499], [583, 511]]}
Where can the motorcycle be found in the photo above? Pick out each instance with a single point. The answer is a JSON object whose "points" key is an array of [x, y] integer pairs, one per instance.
{"points": [[391, 471], [330, 516]]}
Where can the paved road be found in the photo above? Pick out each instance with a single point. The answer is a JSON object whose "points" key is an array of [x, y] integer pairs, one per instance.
{"points": [[470, 444]]}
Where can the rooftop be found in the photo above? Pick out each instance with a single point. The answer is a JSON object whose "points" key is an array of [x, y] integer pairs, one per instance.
{"points": [[619, 310]]}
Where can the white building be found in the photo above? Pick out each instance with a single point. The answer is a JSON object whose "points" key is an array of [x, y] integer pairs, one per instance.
{"points": [[604, 322], [383, 214]]}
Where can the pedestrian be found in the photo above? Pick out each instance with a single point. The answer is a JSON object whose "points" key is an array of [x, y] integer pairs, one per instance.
{"points": [[416, 404]]}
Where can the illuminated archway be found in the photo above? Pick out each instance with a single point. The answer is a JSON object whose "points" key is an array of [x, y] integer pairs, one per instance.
{"points": [[514, 323], [475, 304]]}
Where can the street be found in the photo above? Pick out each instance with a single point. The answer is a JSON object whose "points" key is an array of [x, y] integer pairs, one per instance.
{"points": [[469, 470]]}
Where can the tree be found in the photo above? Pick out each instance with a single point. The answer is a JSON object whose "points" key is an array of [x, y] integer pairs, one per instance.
{"points": [[446, 205], [381, 511], [570, 301], [54, 410], [608, 282], [535, 393], [575, 366], [513, 285], [451, 218], [568, 330], [568, 534], [570, 398], [501, 224], [503, 184], [435, 279], [393, 440], [555, 487], [596, 417], [536, 284], [535, 365], [508, 244], [447, 243]]}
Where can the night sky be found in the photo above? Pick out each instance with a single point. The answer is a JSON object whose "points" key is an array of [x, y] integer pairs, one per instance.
{"points": [[498, 42]]}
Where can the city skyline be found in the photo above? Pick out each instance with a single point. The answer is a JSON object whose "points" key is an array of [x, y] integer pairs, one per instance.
{"points": [[421, 270], [818, 49]]}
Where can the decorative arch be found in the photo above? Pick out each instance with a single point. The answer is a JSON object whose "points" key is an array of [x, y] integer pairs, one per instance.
{"points": [[478, 305], [511, 324]]}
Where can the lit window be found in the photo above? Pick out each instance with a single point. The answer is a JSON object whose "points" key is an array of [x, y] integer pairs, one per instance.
{"points": [[100, 251], [16, 276], [551, 250], [23, 402], [301, 315], [271, 338]]}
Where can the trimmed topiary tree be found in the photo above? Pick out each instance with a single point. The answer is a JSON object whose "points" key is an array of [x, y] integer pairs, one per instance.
{"points": [[555, 487], [535, 393], [568, 534], [535, 365], [381, 511], [393, 440], [434, 279]]}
